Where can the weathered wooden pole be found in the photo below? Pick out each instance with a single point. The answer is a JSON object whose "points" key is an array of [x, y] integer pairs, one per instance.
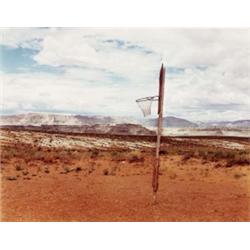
{"points": [[155, 181]]}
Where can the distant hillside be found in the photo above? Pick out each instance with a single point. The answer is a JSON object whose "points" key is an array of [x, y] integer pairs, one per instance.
{"points": [[38, 119], [172, 122], [229, 124], [118, 129]]}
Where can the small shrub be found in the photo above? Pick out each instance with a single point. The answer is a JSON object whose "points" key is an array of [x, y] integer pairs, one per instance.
{"points": [[66, 169], [243, 152], [48, 159], [201, 154], [78, 169], [113, 170], [94, 153], [218, 155], [91, 169], [25, 172], [2, 161], [218, 165], [230, 155], [187, 156], [172, 176], [11, 178], [62, 156], [105, 172], [19, 168], [46, 170], [39, 156], [230, 163], [239, 175], [206, 173], [118, 156], [115, 153], [136, 157], [242, 161], [163, 152]]}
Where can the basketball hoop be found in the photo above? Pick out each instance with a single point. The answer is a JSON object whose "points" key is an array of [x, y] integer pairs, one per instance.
{"points": [[145, 104]]}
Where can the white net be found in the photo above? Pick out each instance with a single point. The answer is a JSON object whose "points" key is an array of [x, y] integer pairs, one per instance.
{"points": [[145, 104]]}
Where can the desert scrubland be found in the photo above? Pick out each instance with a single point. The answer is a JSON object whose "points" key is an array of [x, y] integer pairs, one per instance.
{"points": [[66, 177]]}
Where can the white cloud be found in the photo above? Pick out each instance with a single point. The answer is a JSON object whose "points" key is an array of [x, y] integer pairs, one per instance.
{"points": [[23, 92], [107, 69], [23, 37], [79, 48]]}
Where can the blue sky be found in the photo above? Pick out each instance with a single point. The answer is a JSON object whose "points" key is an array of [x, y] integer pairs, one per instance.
{"points": [[18, 60], [103, 71]]}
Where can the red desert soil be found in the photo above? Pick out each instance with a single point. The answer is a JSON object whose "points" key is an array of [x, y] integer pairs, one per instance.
{"points": [[52, 177]]}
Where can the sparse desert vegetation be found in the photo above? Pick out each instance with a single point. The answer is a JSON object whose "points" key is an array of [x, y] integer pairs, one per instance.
{"points": [[109, 179]]}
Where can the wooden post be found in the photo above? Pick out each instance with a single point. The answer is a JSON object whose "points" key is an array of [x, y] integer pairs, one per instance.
{"points": [[155, 181]]}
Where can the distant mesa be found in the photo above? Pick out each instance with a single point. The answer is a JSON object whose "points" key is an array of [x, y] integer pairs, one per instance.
{"points": [[172, 122], [75, 124], [39, 119], [229, 124]]}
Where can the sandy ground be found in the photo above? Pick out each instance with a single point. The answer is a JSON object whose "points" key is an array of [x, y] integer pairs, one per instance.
{"points": [[48, 177]]}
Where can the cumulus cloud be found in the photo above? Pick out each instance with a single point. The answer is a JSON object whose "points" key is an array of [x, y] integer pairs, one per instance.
{"points": [[25, 92], [105, 70], [23, 37]]}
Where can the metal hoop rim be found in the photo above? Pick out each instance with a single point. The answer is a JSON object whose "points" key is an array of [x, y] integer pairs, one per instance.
{"points": [[148, 98]]}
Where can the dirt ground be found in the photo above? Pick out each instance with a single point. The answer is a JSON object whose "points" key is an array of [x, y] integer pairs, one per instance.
{"points": [[53, 177]]}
